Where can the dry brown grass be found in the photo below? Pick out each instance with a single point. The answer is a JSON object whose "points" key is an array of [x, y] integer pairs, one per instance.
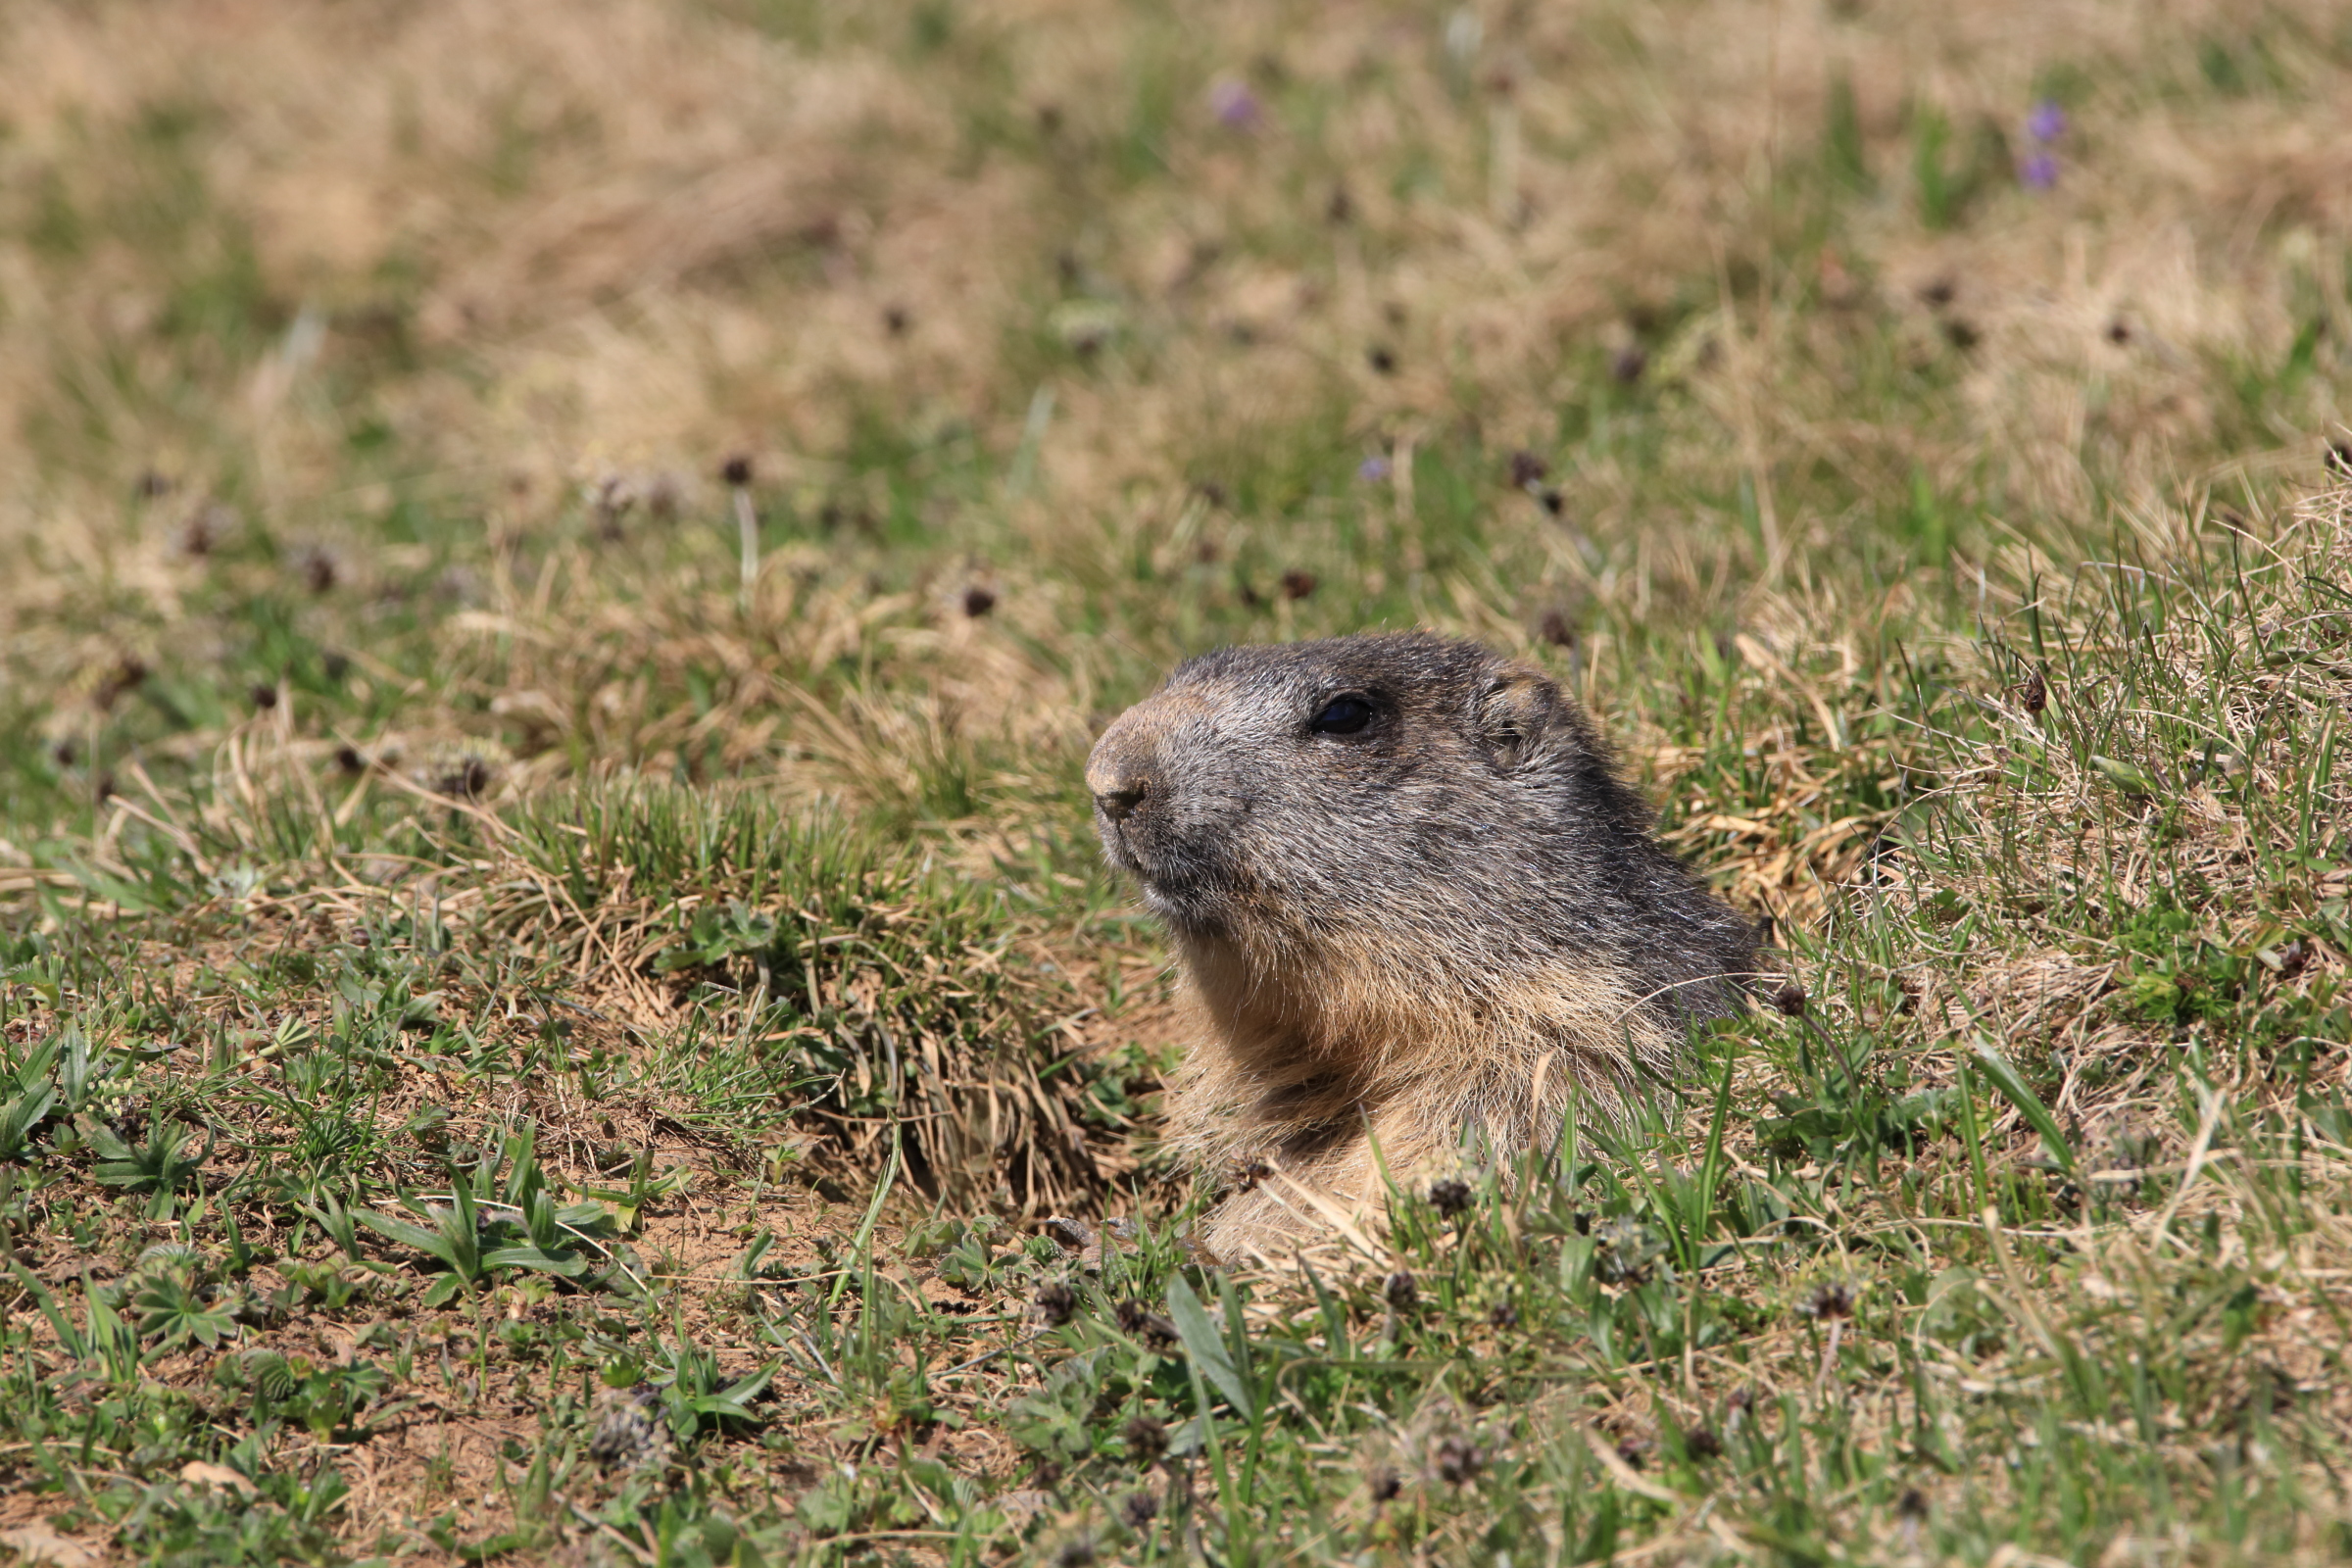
{"points": [[633, 236]]}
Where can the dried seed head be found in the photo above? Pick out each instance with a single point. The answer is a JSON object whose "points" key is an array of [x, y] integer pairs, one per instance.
{"points": [[610, 499], [1147, 1440], [318, 569], [129, 672], [264, 696], [1057, 1303], [1701, 1443], [1296, 584], [1141, 1322], [466, 779], [1400, 1290], [664, 496], [978, 601], [1552, 502], [1791, 999], [737, 471], [1829, 1303], [1139, 1510], [1459, 1459], [1527, 469], [205, 528], [1450, 1197]]}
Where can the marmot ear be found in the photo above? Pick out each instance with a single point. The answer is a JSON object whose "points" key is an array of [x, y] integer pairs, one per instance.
{"points": [[1514, 714]]}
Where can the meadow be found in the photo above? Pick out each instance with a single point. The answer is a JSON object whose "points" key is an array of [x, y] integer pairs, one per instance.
{"points": [[558, 999]]}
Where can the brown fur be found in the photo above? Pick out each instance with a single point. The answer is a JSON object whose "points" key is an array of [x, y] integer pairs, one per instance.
{"points": [[1440, 934]]}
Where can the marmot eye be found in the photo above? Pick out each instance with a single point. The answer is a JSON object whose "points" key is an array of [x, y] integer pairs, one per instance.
{"points": [[1342, 716]]}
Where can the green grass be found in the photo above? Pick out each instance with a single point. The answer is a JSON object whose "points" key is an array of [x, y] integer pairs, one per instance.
{"points": [[515, 1047]]}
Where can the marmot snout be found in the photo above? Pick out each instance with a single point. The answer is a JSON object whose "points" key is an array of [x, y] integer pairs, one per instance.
{"points": [[1416, 903]]}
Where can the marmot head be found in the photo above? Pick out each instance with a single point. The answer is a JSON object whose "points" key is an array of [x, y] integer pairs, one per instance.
{"points": [[1402, 785]]}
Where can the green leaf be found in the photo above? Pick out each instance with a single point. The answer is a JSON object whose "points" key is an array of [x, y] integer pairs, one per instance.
{"points": [[74, 1075], [68, 1336], [539, 1218], [156, 1165], [430, 1243], [22, 1116], [102, 1140], [743, 1390], [461, 1228], [531, 1258], [2028, 1105], [2122, 775], [587, 1219], [1205, 1346], [116, 1343], [269, 1375], [334, 1218]]}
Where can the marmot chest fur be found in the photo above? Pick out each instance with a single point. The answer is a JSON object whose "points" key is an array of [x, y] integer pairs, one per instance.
{"points": [[1417, 905]]}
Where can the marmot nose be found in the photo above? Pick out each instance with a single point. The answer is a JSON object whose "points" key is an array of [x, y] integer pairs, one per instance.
{"points": [[1118, 802]]}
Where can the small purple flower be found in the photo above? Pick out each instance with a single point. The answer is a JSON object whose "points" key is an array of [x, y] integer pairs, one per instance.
{"points": [[1234, 105], [2039, 172], [1373, 470], [2047, 122]]}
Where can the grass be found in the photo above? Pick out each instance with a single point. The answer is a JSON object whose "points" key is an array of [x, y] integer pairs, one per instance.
{"points": [[524, 1040]]}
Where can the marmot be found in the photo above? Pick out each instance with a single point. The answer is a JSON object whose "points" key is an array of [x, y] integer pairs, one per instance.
{"points": [[1417, 904]]}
